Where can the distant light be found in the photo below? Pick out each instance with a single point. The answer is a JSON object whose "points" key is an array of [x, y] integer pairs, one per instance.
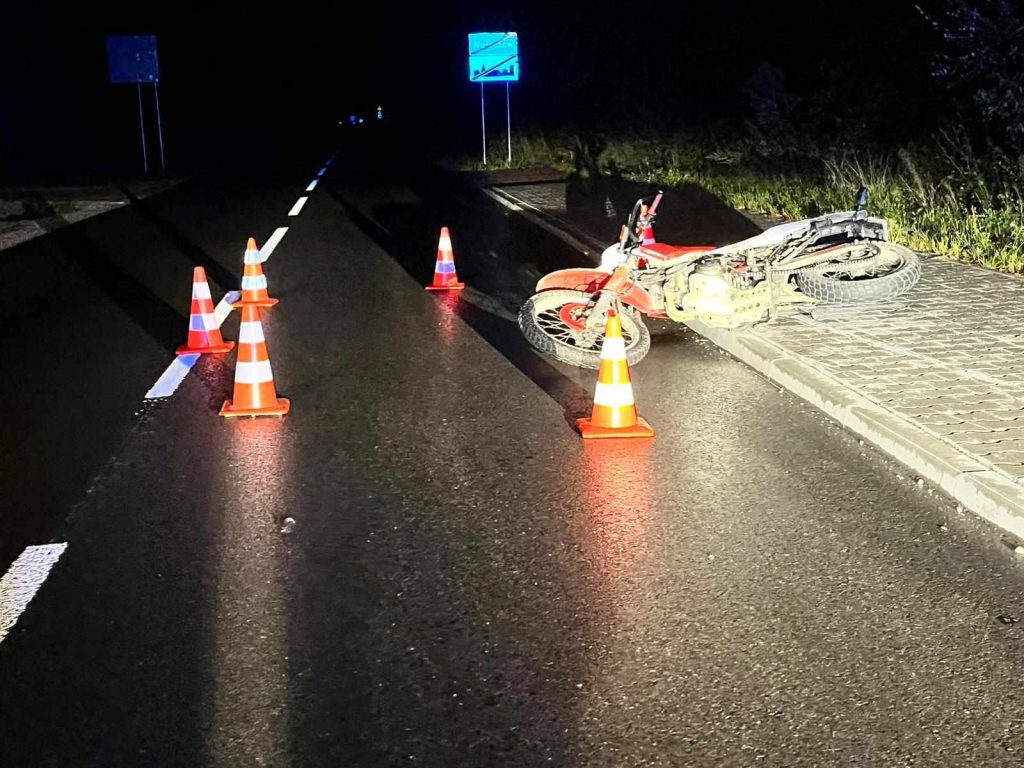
{"points": [[380, 113], [360, 120], [352, 119]]}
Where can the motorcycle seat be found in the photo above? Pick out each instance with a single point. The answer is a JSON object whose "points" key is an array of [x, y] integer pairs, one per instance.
{"points": [[664, 252]]}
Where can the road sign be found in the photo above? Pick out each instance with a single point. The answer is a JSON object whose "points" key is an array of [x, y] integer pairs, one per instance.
{"points": [[493, 57], [132, 59]]}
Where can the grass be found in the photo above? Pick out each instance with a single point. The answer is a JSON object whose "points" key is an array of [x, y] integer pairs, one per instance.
{"points": [[954, 214]]}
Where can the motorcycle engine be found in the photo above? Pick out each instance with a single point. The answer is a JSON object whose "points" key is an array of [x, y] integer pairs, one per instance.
{"points": [[741, 275], [722, 294]]}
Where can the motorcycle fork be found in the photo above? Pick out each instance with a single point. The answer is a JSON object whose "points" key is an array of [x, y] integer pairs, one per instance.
{"points": [[609, 299]]}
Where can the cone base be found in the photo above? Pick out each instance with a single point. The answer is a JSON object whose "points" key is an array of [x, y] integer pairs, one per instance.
{"points": [[228, 410], [640, 429], [213, 349], [449, 287], [257, 303]]}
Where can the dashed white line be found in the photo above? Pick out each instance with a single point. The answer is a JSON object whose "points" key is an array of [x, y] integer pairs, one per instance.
{"points": [[23, 579], [321, 172], [272, 243], [223, 309], [171, 379], [312, 185], [298, 206]]}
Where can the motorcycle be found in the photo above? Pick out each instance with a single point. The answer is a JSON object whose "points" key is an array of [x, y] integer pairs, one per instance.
{"points": [[841, 258]]}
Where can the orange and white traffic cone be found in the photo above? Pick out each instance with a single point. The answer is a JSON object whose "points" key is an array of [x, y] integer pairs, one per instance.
{"points": [[255, 394], [445, 278], [254, 282], [614, 413], [203, 331]]}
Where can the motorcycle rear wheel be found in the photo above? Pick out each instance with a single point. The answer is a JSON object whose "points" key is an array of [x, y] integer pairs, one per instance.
{"points": [[541, 320], [892, 271]]}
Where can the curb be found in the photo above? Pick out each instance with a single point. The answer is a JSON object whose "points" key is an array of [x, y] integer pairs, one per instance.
{"points": [[975, 485], [591, 249]]}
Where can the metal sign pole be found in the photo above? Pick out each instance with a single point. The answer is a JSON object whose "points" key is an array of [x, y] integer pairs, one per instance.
{"points": [[508, 118], [483, 122], [159, 125], [142, 132]]}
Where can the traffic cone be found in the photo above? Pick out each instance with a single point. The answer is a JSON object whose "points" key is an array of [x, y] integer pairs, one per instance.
{"points": [[254, 282], [647, 235], [614, 413], [203, 332], [445, 278], [255, 394]]}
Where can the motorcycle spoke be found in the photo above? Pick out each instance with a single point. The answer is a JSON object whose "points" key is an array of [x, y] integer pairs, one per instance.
{"points": [[551, 324]]}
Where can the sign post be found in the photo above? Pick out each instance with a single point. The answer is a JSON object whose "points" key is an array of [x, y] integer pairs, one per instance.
{"points": [[132, 59], [494, 58]]}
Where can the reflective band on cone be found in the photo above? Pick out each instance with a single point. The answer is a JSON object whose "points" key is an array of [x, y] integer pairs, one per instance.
{"points": [[254, 282], [445, 278], [254, 394], [204, 336], [614, 413]]}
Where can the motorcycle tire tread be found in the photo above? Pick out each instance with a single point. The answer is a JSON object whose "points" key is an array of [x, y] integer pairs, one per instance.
{"points": [[580, 358], [828, 290]]}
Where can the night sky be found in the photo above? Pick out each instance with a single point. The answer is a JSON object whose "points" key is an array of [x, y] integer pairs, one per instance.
{"points": [[285, 72]]}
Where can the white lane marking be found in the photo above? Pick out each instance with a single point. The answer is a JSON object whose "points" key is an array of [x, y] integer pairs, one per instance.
{"points": [[312, 185], [223, 309], [272, 243], [298, 206], [321, 172], [170, 379], [176, 372], [24, 578]]}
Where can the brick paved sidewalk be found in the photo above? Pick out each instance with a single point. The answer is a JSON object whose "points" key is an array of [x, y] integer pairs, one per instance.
{"points": [[935, 378], [28, 212]]}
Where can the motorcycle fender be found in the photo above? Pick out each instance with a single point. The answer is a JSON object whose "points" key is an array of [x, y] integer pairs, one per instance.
{"points": [[591, 281]]}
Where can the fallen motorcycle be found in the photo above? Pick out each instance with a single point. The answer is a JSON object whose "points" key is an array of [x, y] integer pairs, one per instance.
{"points": [[841, 258]]}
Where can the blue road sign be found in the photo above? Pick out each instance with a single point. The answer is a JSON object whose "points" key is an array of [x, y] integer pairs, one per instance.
{"points": [[132, 59], [493, 57]]}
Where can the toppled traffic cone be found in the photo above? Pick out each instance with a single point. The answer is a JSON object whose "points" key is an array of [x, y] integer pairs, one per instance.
{"points": [[614, 413], [254, 282], [445, 278], [255, 394], [203, 331]]}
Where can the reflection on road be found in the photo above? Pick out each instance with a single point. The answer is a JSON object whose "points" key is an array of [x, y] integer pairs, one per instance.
{"points": [[250, 665], [618, 491]]}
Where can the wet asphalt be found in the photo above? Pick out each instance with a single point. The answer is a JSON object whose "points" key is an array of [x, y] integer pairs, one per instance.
{"points": [[467, 582]]}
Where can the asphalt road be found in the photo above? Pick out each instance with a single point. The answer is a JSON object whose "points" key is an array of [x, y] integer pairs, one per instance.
{"points": [[467, 582]]}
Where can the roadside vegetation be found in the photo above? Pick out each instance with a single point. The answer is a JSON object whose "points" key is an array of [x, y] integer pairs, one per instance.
{"points": [[936, 135], [933, 202]]}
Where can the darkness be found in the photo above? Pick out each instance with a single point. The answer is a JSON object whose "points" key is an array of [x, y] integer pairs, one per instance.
{"points": [[238, 87]]}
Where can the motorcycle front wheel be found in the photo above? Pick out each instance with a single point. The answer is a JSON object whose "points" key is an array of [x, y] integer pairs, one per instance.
{"points": [[552, 320]]}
